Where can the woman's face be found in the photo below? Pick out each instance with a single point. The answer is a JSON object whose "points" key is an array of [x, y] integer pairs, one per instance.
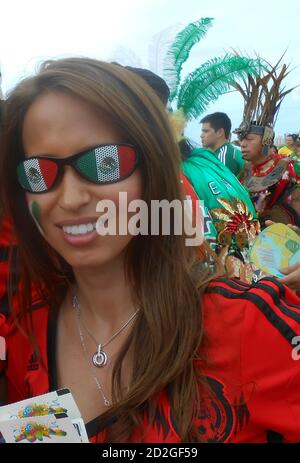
{"points": [[60, 125]]}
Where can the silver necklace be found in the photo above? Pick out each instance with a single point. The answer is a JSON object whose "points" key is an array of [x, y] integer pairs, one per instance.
{"points": [[106, 401], [99, 358]]}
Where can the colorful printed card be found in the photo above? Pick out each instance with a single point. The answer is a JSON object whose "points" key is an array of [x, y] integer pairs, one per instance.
{"points": [[275, 248], [42, 429], [60, 401], [56, 405]]}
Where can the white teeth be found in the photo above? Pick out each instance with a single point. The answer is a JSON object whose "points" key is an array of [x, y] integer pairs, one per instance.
{"points": [[90, 227], [81, 229]]}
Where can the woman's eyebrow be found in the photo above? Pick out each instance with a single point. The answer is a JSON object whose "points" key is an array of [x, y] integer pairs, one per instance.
{"points": [[55, 156]]}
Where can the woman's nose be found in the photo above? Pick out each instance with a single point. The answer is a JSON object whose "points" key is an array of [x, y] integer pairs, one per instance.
{"points": [[73, 191]]}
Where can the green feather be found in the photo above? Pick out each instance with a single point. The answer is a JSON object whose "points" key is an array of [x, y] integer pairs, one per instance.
{"points": [[213, 79], [180, 50]]}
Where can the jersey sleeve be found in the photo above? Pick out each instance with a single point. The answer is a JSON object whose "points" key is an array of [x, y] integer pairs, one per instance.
{"points": [[270, 359], [239, 159]]}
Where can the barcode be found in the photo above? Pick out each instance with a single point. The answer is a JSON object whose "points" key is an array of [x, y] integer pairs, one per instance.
{"points": [[77, 427]]}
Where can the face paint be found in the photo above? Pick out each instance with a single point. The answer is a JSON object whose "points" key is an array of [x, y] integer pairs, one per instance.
{"points": [[35, 212]]}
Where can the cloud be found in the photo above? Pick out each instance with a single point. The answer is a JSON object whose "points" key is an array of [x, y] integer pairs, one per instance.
{"points": [[32, 30]]}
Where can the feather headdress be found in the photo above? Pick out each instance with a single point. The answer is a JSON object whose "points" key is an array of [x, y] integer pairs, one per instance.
{"points": [[191, 95], [180, 50], [211, 80], [263, 96]]}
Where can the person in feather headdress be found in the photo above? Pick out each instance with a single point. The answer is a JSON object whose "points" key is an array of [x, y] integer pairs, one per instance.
{"points": [[273, 181]]}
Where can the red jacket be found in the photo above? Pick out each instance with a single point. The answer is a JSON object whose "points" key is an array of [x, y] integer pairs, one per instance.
{"points": [[249, 336]]}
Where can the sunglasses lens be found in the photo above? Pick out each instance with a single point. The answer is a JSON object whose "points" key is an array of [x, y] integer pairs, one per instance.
{"points": [[37, 175], [107, 164]]}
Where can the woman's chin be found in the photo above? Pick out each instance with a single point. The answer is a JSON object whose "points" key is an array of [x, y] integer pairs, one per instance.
{"points": [[89, 260], [78, 264]]}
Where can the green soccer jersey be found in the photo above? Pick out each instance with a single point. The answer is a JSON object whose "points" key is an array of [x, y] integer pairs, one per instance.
{"points": [[231, 156], [230, 220]]}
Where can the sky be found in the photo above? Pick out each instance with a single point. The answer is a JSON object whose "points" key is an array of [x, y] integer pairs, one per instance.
{"points": [[32, 31]]}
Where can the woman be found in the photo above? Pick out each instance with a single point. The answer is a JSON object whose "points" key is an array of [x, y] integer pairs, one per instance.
{"points": [[128, 323]]}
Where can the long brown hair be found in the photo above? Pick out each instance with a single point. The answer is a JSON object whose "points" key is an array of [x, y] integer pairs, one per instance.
{"points": [[168, 331]]}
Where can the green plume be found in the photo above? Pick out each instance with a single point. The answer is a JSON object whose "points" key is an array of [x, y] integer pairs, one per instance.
{"points": [[180, 50], [211, 80]]}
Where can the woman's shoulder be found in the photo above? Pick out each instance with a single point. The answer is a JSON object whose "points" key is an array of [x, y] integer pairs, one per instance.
{"points": [[14, 326], [268, 303], [234, 288], [252, 336], [26, 358]]}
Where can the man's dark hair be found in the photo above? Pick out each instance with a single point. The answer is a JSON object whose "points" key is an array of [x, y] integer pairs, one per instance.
{"points": [[294, 136], [158, 84], [218, 121]]}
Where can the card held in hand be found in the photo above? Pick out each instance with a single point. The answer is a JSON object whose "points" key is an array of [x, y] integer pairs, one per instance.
{"points": [[48, 418]]}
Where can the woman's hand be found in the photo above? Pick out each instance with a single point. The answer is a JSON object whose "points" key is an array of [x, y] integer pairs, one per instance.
{"points": [[293, 227], [292, 278]]}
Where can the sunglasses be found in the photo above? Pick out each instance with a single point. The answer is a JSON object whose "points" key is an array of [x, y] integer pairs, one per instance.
{"points": [[109, 163]]}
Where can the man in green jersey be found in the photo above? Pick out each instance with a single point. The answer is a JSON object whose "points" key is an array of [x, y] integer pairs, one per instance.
{"points": [[215, 135]]}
